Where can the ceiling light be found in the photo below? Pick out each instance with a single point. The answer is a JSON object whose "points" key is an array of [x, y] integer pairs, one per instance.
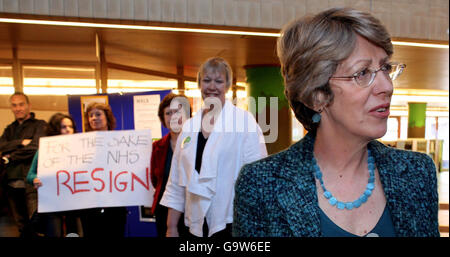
{"points": [[421, 92], [399, 99], [58, 68], [136, 27], [431, 45], [156, 28]]}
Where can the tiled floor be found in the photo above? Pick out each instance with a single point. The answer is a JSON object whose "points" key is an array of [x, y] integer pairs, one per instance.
{"points": [[8, 229]]}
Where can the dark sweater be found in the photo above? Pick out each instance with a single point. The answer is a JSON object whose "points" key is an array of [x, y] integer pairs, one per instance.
{"points": [[11, 143]]}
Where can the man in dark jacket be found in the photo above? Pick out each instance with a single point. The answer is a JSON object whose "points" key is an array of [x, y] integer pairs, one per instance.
{"points": [[18, 144]]}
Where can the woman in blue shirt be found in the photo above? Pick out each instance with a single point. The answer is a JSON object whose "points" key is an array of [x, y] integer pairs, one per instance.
{"points": [[53, 223]]}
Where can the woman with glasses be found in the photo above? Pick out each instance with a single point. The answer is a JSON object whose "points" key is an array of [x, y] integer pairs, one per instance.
{"points": [[338, 181]]}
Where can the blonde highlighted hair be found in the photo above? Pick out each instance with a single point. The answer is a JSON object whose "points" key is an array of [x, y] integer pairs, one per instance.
{"points": [[216, 64]]}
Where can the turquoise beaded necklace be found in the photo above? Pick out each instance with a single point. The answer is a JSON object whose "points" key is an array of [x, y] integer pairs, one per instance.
{"points": [[362, 199]]}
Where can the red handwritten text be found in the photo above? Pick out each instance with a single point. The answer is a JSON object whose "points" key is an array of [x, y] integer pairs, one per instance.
{"points": [[85, 181]]}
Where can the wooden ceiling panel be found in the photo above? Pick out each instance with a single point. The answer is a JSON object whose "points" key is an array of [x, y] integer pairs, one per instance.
{"points": [[121, 74], [54, 51], [5, 32], [60, 72], [54, 34], [5, 51], [427, 68]]}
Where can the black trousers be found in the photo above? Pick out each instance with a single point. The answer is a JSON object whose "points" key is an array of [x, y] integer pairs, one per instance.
{"points": [[104, 222], [22, 204], [51, 224], [225, 233]]}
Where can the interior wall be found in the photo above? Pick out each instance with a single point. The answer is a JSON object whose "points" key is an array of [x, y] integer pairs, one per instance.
{"points": [[422, 19], [43, 107], [7, 117]]}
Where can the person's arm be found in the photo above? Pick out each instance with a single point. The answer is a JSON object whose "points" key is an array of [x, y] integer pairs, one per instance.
{"points": [[29, 150], [7, 146], [32, 173], [174, 198], [173, 216]]}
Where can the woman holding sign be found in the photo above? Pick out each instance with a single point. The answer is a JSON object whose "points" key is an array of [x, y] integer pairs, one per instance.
{"points": [[212, 148], [52, 223], [102, 222], [162, 152]]}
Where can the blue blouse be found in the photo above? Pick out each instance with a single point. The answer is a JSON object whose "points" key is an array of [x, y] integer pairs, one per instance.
{"points": [[384, 227]]}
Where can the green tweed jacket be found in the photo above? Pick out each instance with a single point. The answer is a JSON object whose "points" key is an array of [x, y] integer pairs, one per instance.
{"points": [[277, 197]]}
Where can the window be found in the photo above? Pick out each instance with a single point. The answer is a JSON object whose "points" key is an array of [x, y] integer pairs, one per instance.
{"points": [[443, 134], [392, 132], [431, 129], [437, 128], [6, 80], [404, 127], [297, 128], [58, 80], [121, 81]]}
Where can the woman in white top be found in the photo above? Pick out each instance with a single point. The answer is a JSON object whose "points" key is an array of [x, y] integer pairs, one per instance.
{"points": [[210, 151]]}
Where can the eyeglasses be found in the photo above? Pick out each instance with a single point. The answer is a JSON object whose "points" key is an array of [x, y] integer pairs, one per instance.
{"points": [[366, 77]]}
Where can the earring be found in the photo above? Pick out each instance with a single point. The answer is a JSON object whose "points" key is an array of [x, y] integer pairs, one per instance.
{"points": [[316, 117]]}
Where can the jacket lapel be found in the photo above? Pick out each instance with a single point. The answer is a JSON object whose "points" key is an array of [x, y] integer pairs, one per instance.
{"points": [[297, 197], [392, 178]]}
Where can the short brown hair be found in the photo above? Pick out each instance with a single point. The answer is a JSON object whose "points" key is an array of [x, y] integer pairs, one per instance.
{"points": [[216, 64], [166, 102], [311, 48], [110, 119], [20, 94]]}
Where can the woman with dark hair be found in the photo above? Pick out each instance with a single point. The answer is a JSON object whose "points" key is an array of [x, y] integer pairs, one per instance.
{"points": [[52, 223], [338, 181], [110, 221], [172, 115]]}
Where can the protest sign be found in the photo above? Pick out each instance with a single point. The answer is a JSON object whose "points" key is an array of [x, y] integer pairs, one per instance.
{"points": [[95, 169]]}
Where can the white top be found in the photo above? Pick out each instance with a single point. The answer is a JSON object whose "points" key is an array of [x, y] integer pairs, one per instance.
{"points": [[236, 139]]}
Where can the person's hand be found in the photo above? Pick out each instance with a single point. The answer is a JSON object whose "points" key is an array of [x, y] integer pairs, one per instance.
{"points": [[26, 142], [37, 183], [172, 232], [4, 160]]}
